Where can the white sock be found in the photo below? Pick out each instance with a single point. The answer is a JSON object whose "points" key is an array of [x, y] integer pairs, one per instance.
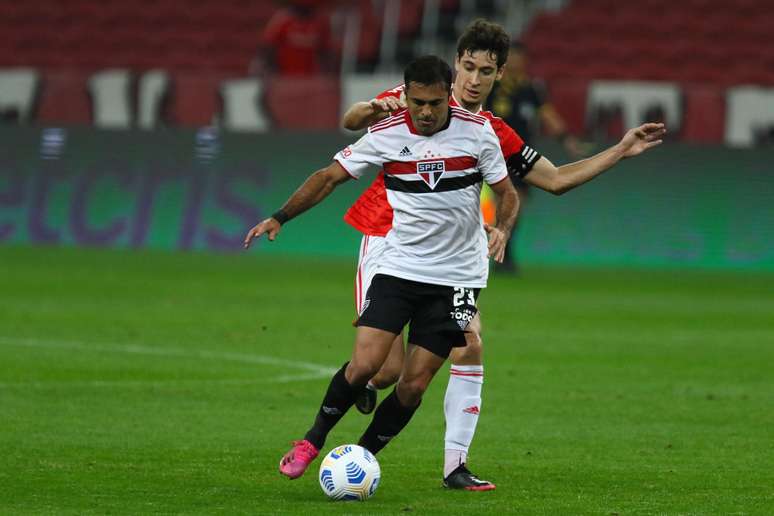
{"points": [[462, 405]]}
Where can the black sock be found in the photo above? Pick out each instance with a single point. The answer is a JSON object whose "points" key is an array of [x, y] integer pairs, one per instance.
{"points": [[390, 418], [337, 401]]}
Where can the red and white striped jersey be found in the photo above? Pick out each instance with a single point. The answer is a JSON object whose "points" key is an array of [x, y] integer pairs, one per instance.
{"points": [[433, 184], [371, 214]]}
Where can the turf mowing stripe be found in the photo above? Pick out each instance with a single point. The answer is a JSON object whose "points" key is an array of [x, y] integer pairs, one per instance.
{"points": [[318, 369], [160, 383]]}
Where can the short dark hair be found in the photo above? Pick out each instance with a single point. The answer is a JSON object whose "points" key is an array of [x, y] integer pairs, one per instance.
{"points": [[485, 35], [428, 70]]}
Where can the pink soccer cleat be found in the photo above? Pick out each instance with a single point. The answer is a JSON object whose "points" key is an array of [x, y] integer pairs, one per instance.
{"points": [[295, 462]]}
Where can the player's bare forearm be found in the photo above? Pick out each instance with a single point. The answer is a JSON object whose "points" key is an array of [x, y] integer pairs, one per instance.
{"points": [[559, 180], [316, 188], [506, 205], [360, 115], [577, 173], [507, 208]]}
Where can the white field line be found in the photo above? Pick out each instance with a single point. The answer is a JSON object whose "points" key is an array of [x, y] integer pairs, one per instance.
{"points": [[312, 371], [172, 383]]}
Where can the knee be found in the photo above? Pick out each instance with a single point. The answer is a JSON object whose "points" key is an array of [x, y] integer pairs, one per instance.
{"points": [[386, 376], [410, 391], [472, 353], [359, 371]]}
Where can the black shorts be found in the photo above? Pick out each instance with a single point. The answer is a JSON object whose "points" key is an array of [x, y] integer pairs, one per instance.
{"points": [[438, 315]]}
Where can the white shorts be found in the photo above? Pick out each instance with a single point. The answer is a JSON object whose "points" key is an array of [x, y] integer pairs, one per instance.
{"points": [[371, 249]]}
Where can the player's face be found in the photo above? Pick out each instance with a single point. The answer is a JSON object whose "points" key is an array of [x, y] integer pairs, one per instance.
{"points": [[476, 74], [428, 106]]}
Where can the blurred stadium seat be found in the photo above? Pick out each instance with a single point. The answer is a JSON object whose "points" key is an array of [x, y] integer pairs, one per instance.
{"points": [[18, 87], [691, 41], [93, 35], [242, 106], [304, 103], [64, 99], [110, 91], [153, 88], [702, 46], [750, 111]]}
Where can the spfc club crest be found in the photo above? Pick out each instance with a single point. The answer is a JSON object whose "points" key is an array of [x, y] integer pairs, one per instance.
{"points": [[431, 172]]}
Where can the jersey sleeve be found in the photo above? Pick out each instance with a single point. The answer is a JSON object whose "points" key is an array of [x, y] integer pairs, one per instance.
{"points": [[396, 92], [490, 160], [521, 163], [519, 157], [357, 158], [510, 141]]}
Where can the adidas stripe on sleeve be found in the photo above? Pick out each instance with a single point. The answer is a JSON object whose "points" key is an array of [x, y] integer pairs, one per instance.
{"points": [[520, 163]]}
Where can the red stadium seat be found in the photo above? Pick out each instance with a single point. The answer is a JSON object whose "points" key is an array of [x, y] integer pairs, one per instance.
{"points": [[64, 99], [194, 98], [109, 33], [569, 98], [288, 102], [704, 114]]}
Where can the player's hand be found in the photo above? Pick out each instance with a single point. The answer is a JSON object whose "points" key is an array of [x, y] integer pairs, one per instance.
{"points": [[497, 241], [387, 105], [638, 140], [270, 226]]}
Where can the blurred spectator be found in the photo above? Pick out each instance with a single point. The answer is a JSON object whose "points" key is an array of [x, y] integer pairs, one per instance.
{"points": [[523, 103], [297, 41]]}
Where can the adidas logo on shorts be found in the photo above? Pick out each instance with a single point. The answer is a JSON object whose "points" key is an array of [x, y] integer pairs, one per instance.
{"points": [[365, 306]]}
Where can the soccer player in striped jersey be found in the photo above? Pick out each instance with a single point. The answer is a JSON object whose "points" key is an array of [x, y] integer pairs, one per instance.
{"points": [[434, 259], [482, 51]]}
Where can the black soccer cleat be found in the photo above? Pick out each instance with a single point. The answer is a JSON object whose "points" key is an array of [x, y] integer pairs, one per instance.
{"points": [[462, 478], [366, 400]]}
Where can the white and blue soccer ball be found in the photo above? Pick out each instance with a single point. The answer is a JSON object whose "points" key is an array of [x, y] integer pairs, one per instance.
{"points": [[349, 472]]}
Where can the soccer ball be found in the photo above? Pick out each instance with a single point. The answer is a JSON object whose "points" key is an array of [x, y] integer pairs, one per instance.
{"points": [[349, 472]]}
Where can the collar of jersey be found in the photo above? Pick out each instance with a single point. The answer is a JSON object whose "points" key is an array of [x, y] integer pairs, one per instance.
{"points": [[410, 124], [457, 104]]}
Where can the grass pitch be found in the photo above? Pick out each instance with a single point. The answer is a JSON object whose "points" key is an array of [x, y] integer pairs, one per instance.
{"points": [[140, 382]]}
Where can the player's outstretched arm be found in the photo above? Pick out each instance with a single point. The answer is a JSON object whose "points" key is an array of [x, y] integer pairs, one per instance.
{"points": [[559, 180], [315, 189], [507, 206], [362, 114]]}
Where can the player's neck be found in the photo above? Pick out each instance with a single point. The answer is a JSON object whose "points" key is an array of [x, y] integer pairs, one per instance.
{"points": [[472, 107]]}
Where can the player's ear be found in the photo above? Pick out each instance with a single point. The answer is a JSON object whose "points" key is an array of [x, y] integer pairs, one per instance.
{"points": [[499, 74]]}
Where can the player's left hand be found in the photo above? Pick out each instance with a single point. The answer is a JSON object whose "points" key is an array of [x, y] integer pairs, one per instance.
{"points": [[639, 139], [497, 241], [270, 226]]}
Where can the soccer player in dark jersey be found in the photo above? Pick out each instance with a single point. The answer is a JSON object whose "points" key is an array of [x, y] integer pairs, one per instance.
{"points": [[482, 51]]}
